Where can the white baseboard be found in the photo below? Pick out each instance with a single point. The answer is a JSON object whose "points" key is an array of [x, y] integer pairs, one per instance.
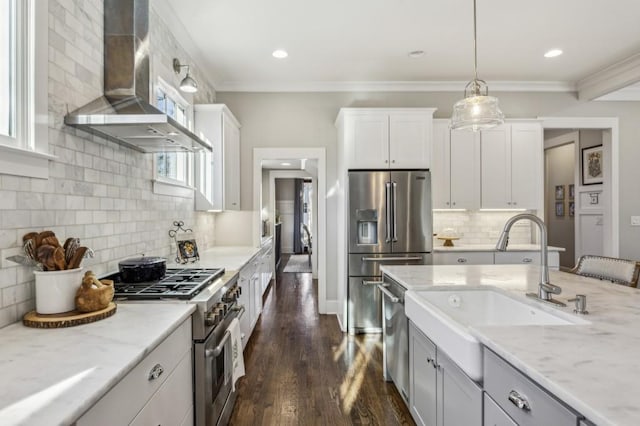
{"points": [[343, 327], [332, 307]]}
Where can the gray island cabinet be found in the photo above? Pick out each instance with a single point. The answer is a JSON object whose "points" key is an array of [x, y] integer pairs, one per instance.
{"points": [[440, 393]]}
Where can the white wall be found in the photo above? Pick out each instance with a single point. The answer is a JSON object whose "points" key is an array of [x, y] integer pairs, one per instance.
{"points": [[306, 120]]}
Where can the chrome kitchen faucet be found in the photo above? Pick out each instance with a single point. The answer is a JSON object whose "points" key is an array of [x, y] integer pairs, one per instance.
{"points": [[545, 288]]}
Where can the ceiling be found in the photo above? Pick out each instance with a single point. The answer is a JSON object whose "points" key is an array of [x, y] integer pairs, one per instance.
{"points": [[290, 164], [336, 42]]}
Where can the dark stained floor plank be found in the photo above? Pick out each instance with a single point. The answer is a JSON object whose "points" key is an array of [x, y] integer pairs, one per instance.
{"points": [[302, 370]]}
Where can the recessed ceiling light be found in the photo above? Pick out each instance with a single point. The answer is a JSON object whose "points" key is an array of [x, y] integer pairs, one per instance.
{"points": [[553, 53], [280, 54], [285, 164], [416, 54]]}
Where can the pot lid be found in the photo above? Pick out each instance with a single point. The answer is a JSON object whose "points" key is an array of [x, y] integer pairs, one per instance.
{"points": [[142, 261]]}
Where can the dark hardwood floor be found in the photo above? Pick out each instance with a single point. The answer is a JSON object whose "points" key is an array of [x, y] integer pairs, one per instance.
{"points": [[302, 370]]}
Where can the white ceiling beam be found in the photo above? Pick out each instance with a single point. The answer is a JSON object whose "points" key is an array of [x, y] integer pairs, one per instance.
{"points": [[610, 79]]}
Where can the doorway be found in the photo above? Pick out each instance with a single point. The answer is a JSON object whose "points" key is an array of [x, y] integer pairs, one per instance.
{"points": [[587, 202], [313, 166]]}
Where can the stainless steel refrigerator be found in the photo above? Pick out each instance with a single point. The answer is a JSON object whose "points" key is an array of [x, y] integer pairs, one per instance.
{"points": [[390, 222]]}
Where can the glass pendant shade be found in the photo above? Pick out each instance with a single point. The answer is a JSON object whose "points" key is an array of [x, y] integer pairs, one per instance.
{"points": [[188, 85]]}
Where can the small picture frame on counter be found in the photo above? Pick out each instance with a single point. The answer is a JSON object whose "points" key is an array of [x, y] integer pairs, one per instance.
{"points": [[559, 192], [187, 249], [560, 208]]}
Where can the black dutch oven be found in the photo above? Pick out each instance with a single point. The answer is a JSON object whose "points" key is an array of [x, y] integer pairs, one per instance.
{"points": [[142, 269]]}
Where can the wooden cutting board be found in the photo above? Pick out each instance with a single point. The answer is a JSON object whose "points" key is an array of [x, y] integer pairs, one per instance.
{"points": [[66, 319]]}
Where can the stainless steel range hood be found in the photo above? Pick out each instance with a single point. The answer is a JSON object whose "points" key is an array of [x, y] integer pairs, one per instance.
{"points": [[124, 114]]}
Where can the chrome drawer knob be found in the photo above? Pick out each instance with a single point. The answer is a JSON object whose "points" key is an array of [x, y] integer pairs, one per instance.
{"points": [[156, 372], [519, 401]]}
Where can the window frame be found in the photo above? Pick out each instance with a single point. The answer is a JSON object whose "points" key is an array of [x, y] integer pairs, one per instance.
{"points": [[166, 185], [26, 153]]}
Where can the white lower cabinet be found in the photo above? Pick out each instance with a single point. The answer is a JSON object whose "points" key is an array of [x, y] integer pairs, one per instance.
{"points": [[440, 393], [493, 414], [157, 391], [495, 258]]}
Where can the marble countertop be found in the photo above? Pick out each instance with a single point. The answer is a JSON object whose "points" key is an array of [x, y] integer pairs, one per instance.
{"points": [[52, 376], [232, 258], [593, 368], [491, 247]]}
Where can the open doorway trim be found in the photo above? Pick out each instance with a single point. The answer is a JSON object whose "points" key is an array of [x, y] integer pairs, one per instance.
{"points": [[293, 174], [603, 123], [318, 154]]}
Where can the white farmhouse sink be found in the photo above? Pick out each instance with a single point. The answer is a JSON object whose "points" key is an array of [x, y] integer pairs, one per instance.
{"points": [[446, 315]]}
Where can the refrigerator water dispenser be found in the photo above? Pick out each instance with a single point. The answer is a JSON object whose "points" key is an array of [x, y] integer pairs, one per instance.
{"points": [[367, 225]]}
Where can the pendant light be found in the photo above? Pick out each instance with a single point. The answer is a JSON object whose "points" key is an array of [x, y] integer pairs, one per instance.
{"points": [[477, 110]]}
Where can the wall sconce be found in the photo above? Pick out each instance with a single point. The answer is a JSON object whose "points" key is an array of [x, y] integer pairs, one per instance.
{"points": [[187, 84]]}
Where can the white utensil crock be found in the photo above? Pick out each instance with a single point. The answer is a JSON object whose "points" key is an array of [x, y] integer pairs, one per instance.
{"points": [[56, 290]]}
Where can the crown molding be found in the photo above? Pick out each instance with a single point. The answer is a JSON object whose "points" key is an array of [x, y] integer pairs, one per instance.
{"points": [[610, 79], [392, 86], [630, 93]]}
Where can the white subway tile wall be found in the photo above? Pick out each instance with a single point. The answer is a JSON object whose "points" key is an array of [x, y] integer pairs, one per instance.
{"points": [[97, 190], [476, 227]]}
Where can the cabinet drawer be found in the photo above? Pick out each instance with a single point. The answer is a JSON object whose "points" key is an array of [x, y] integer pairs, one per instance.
{"points": [[516, 257], [463, 258], [173, 400], [493, 414], [526, 258], [123, 402], [502, 380]]}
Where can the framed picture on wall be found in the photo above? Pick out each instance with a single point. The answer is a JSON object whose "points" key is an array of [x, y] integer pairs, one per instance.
{"points": [[560, 208], [592, 163], [572, 191], [572, 208], [559, 192]]}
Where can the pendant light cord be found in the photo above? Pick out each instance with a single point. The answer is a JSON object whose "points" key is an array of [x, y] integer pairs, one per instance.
{"points": [[475, 43]]}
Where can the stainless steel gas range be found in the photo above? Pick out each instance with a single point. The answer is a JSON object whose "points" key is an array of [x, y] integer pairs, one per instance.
{"points": [[216, 306]]}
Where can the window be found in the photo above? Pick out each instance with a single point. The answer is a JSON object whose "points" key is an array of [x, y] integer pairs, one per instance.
{"points": [[173, 168], [23, 88]]}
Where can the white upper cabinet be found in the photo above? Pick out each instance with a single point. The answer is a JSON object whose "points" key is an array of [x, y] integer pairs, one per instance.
{"points": [[378, 138], [455, 171], [512, 168], [218, 173]]}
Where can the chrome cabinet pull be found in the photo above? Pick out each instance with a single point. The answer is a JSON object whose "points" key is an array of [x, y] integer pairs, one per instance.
{"points": [[462, 260], [390, 259], [519, 401], [387, 293], [527, 260], [366, 282], [156, 372]]}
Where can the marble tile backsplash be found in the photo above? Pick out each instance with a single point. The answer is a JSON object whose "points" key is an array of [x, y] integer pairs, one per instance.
{"points": [[97, 190], [481, 227]]}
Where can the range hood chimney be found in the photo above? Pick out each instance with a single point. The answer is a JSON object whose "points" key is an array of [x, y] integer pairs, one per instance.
{"points": [[124, 114]]}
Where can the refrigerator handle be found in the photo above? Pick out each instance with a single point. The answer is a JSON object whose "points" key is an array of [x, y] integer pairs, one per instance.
{"points": [[395, 206], [387, 224]]}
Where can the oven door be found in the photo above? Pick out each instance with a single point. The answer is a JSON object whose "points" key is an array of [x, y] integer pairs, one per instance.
{"points": [[213, 380]]}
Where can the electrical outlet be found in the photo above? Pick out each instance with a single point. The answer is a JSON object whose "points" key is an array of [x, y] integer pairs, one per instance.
{"points": [[635, 220]]}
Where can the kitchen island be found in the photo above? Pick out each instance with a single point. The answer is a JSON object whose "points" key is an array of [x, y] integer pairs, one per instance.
{"points": [[591, 367]]}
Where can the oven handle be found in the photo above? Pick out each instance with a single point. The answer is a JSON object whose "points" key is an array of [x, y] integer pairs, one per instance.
{"points": [[218, 349]]}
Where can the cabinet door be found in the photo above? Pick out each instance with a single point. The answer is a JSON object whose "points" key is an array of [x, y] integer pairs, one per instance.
{"points": [[461, 397], [246, 300], [369, 140], [496, 167], [423, 387], [440, 166], [527, 171], [465, 170], [410, 140], [493, 415], [231, 135]]}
